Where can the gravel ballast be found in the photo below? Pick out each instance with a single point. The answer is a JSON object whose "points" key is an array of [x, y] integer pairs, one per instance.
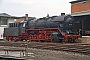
{"points": [[57, 55], [42, 54]]}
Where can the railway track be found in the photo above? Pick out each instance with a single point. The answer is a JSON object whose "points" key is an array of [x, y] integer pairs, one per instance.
{"points": [[70, 47]]}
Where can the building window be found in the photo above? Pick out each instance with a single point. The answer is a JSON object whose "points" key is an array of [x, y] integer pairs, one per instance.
{"points": [[3, 20]]}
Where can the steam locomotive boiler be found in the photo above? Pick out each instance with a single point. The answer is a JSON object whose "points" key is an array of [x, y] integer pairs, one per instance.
{"points": [[51, 29]]}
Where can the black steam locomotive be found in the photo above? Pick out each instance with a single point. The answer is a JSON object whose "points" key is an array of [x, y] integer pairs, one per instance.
{"points": [[50, 29]]}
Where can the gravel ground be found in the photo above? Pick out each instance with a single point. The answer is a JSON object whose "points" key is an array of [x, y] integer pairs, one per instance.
{"points": [[40, 54], [57, 55]]}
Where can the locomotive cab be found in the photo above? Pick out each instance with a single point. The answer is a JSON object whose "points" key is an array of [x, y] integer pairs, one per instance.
{"points": [[23, 23]]}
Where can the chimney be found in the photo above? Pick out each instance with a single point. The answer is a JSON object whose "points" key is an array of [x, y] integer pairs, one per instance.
{"points": [[62, 14], [26, 16]]}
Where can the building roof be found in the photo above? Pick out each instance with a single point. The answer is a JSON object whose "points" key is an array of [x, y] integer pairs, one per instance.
{"points": [[77, 1], [81, 13], [7, 15]]}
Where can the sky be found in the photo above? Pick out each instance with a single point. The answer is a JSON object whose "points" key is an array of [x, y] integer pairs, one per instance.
{"points": [[35, 8]]}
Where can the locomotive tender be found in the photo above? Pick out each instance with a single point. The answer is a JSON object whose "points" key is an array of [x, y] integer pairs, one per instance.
{"points": [[49, 29]]}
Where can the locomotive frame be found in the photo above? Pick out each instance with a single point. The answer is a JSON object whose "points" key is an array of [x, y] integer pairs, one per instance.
{"points": [[44, 35]]}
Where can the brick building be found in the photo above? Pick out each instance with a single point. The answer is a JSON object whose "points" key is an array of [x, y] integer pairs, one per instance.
{"points": [[80, 9], [80, 6]]}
